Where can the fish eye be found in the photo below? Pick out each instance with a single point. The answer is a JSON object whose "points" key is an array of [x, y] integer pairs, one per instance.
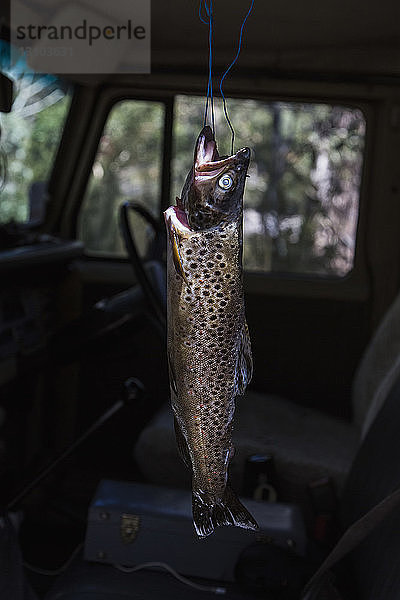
{"points": [[225, 182]]}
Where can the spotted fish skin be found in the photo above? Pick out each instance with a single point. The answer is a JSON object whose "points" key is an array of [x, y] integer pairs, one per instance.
{"points": [[208, 342]]}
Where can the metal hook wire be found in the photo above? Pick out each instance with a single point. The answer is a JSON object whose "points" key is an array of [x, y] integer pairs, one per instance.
{"points": [[227, 71], [208, 7]]}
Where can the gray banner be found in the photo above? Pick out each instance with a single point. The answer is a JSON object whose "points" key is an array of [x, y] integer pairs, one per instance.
{"points": [[88, 36]]}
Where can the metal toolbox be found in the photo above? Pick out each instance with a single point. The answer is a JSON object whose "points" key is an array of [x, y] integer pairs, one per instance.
{"points": [[132, 523]]}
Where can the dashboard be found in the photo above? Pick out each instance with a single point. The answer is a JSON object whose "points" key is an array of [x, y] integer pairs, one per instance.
{"points": [[28, 300]]}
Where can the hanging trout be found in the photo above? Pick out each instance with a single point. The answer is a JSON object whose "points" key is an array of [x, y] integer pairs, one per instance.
{"points": [[209, 349]]}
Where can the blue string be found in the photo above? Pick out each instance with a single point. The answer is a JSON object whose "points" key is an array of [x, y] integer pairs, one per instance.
{"points": [[227, 71], [200, 8], [208, 6]]}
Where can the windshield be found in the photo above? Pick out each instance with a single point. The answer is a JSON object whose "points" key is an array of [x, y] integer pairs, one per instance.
{"points": [[29, 138]]}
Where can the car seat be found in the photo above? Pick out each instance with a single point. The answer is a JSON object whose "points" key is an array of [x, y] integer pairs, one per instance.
{"points": [[371, 571], [305, 443]]}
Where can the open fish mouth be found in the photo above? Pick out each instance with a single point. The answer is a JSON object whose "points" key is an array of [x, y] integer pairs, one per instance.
{"points": [[207, 161], [206, 148]]}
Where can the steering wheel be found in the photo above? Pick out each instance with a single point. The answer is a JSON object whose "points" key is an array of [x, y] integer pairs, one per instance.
{"points": [[149, 272]]}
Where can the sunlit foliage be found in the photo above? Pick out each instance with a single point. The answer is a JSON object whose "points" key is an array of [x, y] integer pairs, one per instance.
{"points": [[127, 167]]}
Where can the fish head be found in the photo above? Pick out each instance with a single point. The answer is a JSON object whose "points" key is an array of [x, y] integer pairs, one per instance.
{"points": [[213, 191]]}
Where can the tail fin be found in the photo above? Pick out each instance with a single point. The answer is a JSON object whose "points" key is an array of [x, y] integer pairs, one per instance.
{"points": [[209, 512]]}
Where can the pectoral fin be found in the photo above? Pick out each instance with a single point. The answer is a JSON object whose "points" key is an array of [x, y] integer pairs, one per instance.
{"points": [[245, 362], [172, 378]]}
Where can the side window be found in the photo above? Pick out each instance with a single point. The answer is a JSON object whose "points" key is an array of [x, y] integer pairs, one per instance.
{"points": [[127, 167], [29, 138], [302, 198]]}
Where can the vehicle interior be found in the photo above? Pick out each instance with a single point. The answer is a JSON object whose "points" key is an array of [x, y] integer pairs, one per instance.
{"points": [[92, 485]]}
